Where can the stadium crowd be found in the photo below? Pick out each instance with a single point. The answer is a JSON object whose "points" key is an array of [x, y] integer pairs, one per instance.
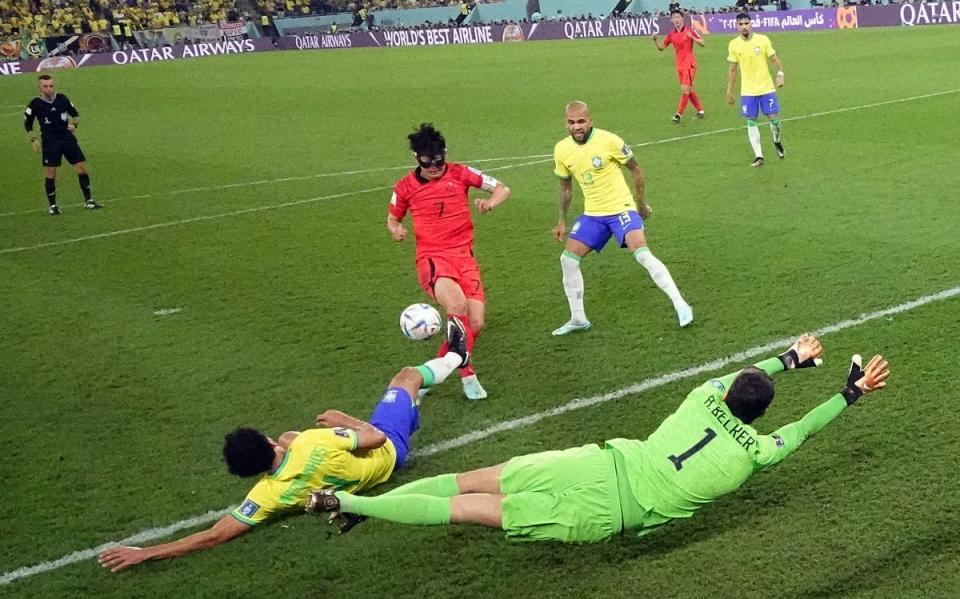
{"points": [[42, 18]]}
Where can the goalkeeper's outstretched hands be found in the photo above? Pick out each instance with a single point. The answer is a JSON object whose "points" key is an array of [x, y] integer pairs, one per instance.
{"points": [[862, 380], [804, 353]]}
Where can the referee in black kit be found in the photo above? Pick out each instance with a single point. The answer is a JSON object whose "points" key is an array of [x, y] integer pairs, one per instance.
{"points": [[58, 120]]}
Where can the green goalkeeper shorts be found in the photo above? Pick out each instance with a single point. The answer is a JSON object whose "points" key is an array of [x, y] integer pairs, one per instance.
{"points": [[568, 495]]}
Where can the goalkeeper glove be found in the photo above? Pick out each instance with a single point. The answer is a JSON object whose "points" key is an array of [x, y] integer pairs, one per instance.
{"points": [[791, 360], [852, 392]]}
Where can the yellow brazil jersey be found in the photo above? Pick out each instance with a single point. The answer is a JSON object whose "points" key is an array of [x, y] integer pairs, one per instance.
{"points": [[595, 164], [752, 55], [320, 457]]}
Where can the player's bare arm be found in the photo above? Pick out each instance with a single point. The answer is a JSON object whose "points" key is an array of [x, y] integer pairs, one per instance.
{"points": [[563, 204], [698, 39], [643, 208], [121, 558], [776, 62], [731, 79], [368, 436], [656, 42], [396, 228], [499, 195]]}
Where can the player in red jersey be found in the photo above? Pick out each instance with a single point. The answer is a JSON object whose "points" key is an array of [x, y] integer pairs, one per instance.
{"points": [[435, 194], [682, 39]]}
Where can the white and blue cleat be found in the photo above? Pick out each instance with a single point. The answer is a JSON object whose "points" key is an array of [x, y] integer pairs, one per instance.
{"points": [[472, 388], [571, 326], [685, 315]]}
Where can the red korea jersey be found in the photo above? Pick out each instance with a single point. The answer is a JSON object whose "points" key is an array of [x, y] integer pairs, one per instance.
{"points": [[441, 209], [683, 45]]}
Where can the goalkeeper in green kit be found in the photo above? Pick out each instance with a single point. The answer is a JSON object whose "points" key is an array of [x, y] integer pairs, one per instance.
{"points": [[704, 450]]}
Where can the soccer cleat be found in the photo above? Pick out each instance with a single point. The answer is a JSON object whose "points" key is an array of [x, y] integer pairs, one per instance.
{"points": [[457, 340], [572, 326], [472, 388], [345, 522], [685, 315], [676, 118], [91, 205], [701, 114], [758, 161], [779, 146], [54, 211], [322, 501], [420, 393]]}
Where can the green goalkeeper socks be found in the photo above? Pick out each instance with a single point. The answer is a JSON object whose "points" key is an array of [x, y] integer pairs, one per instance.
{"points": [[444, 485], [404, 509]]}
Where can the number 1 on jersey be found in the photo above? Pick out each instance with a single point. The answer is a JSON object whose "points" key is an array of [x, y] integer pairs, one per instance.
{"points": [[678, 460]]}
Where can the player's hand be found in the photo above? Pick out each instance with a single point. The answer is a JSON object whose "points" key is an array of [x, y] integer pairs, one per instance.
{"points": [[399, 232], [325, 420], [71, 127], [483, 205], [654, 38], [861, 381], [559, 231], [779, 78], [730, 98], [644, 209], [804, 353], [121, 558], [35, 145]]}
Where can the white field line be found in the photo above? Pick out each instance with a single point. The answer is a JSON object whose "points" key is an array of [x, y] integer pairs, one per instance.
{"points": [[195, 219], [534, 158], [184, 221], [153, 534]]}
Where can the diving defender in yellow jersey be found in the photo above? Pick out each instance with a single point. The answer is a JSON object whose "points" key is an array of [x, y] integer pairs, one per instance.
{"points": [[343, 453], [749, 52], [593, 157]]}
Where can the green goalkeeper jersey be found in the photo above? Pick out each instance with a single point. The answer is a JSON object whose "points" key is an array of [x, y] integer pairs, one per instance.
{"points": [[701, 452]]}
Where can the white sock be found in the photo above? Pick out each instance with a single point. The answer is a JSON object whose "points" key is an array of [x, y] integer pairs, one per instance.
{"points": [[753, 133], [573, 285], [442, 367], [660, 275]]}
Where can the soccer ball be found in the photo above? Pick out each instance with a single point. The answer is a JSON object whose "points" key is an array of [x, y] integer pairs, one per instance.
{"points": [[420, 322]]}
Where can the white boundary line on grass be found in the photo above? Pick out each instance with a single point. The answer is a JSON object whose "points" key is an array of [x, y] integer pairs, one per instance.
{"points": [[152, 534], [535, 158]]}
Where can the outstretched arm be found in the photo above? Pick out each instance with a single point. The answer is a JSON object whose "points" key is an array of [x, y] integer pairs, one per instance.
{"points": [[804, 353], [368, 436], [775, 447], [121, 558]]}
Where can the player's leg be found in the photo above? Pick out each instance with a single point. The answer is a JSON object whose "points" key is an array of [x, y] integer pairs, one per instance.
{"points": [[484, 480], [694, 98], [50, 186], [634, 239], [451, 296], [587, 234], [771, 108], [684, 98], [749, 108], [472, 389], [75, 157]]}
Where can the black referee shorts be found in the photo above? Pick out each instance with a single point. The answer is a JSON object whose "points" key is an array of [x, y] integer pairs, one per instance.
{"points": [[55, 149]]}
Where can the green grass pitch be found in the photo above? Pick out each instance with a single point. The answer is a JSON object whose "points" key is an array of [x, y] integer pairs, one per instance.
{"points": [[289, 289]]}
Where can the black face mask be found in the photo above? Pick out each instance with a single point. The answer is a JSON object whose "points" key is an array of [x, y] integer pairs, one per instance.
{"points": [[436, 161]]}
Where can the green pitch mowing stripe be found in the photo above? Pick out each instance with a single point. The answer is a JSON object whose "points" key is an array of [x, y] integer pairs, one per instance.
{"points": [[576, 404], [532, 159]]}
